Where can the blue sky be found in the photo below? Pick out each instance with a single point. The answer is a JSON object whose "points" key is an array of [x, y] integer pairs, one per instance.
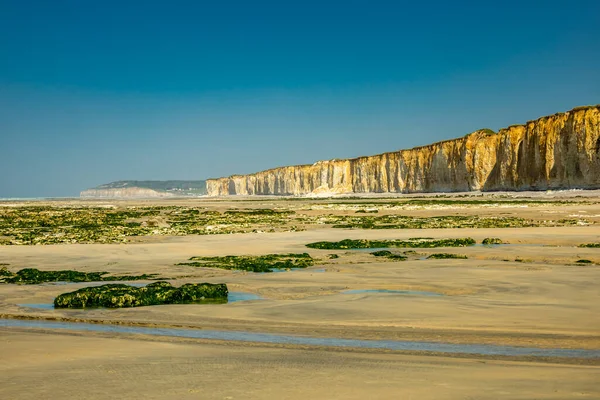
{"points": [[92, 92]]}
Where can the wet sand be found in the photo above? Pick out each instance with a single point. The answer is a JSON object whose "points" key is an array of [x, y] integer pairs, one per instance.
{"points": [[37, 366]]}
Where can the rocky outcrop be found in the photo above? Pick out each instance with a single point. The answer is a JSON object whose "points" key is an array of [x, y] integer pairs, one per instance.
{"points": [[118, 193], [560, 151]]}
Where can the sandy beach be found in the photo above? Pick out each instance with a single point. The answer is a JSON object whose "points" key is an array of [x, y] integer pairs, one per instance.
{"points": [[530, 292]]}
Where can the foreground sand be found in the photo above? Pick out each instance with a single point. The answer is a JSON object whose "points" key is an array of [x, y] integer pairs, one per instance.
{"points": [[44, 366], [530, 293]]}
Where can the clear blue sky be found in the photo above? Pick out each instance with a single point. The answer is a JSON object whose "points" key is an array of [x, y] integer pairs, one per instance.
{"points": [[97, 91]]}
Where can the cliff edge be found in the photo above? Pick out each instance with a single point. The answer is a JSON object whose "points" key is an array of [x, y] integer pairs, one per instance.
{"points": [[560, 151]]}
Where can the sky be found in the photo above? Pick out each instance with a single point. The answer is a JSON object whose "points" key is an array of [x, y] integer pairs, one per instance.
{"points": [[94, 92]]}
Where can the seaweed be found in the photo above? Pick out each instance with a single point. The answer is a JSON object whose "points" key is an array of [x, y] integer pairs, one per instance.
{"points": [[490, 241], [33, 276], [55, 224], [590, 245], [370, 244], [382, 253], [266, 263], [393, 221], [119, 295], [441, 256], [388, 254], [260, 211]]}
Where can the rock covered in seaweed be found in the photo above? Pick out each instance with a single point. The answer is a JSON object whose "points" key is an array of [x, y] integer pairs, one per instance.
{"points": [[265, 263], [33, 276], [119, 295], [372, 244]]}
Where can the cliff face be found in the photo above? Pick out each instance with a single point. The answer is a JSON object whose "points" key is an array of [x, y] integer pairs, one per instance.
{"points": [[119, 193], [560, 151]]}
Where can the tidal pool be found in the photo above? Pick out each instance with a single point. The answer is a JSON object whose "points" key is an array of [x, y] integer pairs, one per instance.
{"points": [[232, 297], [282, 270], [42, 306], [304, 340], [294, 269]]}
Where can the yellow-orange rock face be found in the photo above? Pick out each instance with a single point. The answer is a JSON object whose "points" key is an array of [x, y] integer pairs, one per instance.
{"points": [[561, 151]]}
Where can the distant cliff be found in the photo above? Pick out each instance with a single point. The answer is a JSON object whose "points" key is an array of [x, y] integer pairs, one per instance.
{"points": [[560, 151], [146, 189]]}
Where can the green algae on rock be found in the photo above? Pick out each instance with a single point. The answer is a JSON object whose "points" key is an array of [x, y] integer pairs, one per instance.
{"points": [[264, 263], [33, 276], [388, 254], [119, 295], [439, 222], [373, 244], [441, 256], [489, 241], [260, 211]]}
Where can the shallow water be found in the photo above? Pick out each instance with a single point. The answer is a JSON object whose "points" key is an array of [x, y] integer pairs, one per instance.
{"points": [[303, 340], [371, 250], [283, 270], [405, 292], [42, 306], [232, 297], [293, 269]]}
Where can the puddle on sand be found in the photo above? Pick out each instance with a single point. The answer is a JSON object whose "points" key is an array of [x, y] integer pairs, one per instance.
{"points": [[302, 340], [294, 269], [232, 297], [404, 292], [283, 270], [42, 306]]}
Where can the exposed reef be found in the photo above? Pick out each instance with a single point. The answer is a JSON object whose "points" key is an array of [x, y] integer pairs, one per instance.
{"points": [[266, 263], [117, 295], [33, 276], [374, 244], [560, 151]]}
